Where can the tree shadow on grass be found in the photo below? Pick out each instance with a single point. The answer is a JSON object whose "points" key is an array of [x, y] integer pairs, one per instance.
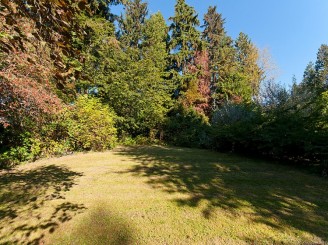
{"points": [[100, 226], [278, 196], [27, 197]]}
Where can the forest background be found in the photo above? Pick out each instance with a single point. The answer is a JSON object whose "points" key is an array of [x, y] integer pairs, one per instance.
{"points": [[76, 77]]}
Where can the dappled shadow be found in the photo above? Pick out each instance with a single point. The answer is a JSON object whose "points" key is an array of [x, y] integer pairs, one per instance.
{"points": [[32, 203], [278, 196]]}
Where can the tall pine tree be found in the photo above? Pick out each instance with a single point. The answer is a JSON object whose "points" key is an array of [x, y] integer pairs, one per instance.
{"points": [[184, 43], [221, 53], [158, 89], [214, 35], [138, 89], [247, 66], [132, 23], [321, 67]]}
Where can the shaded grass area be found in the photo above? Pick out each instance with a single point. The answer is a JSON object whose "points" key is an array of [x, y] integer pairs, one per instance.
{"points": [[25, 195], [100, 226], [161, 195]]}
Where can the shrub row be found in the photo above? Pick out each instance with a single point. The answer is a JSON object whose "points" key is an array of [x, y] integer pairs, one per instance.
{"points": [[86, 125]]}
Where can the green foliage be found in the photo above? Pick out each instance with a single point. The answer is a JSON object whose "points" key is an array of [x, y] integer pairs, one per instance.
{"points": [[102, 8], [132, 24], [155, 34], [87, 125], [235, 73], [321, 66], [18, 153], [287, 125], [140, 97], [217, 43], [236, 70], [186, 127], [13, 157], [184, 43], [128, 141], [234, 126], [90, 125], [247, 61], [137, 89], [323, 104], [185, 36], [48, 49], [221, 56], [213, 32], [99, 47]]}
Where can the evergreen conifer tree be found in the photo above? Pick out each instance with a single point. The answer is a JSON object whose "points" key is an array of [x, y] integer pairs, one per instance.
{"points": [[321, 67], [184, 43], [132, 23], [221, 53]]}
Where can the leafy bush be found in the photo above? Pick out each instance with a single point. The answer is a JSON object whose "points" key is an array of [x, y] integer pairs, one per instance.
{"points": [[128, 141], [17, 154], [186, 127], [287, 125], [90, 125], [87, 125], [142, 140], [235, 126]]}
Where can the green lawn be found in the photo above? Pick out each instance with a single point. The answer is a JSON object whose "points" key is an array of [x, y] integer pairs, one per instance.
{"points": [[161, 195]]}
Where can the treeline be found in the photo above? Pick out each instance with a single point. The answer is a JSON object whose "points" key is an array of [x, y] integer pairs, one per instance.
{"points": [[74, 77]]}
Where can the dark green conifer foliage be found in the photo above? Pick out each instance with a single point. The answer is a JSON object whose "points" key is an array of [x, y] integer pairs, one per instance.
{"points": [[221, 53], [315, 77], [97, 47], [155, 35], [214, 35], [184, 42], [235, 74], [321, 67], [309, 76], [138, 90], [247, 67], [213, 28], [102, 8], [131, 24]]}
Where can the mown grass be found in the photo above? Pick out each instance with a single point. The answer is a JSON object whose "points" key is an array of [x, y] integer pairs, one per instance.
{"points": [[161, 195]]}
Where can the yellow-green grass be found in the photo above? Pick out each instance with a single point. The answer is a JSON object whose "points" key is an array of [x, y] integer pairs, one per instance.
{"points": [[161, 195]]}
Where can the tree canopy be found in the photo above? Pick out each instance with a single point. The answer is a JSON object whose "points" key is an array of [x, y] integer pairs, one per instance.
{"points": [[184, 82]]}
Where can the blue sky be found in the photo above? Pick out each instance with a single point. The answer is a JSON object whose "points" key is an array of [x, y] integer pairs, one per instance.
{"points": [[292, 30]]}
